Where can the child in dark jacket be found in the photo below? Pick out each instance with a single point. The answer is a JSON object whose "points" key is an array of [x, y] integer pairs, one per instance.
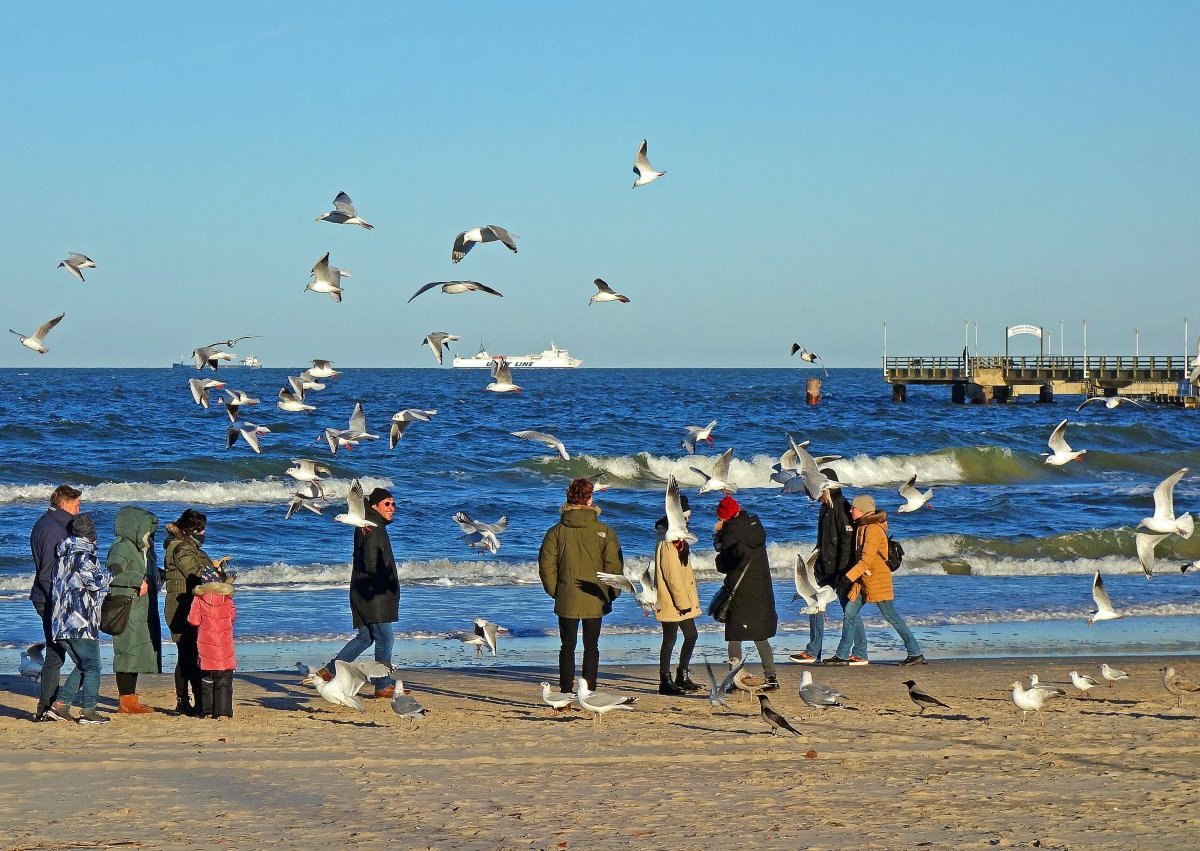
{"points": [[213, 613]]}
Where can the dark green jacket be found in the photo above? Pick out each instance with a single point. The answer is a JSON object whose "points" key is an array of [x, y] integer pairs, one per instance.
{"points": [[573, 551], [134, 651], [183, 561]]}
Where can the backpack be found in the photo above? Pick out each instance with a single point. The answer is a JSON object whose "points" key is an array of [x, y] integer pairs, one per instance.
{"points": [[895, 554]]}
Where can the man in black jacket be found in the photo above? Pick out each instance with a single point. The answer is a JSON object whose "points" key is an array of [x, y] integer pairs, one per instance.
{"points": [[374, 593], [48, 532], [835, 554]]}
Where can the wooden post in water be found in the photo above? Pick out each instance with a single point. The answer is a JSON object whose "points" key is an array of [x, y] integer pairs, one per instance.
{"points": [[899, 393], [812, 391]]}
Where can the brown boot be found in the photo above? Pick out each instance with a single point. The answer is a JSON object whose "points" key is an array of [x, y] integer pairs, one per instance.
{"points": [[325, 674], [129, 705], [384, 693]]}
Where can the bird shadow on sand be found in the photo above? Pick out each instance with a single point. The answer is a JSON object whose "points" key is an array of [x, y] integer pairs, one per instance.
{"points": [[934, 716], [348, 723], [549, 717], [290, 703], [1159, 716], [700, 729]]}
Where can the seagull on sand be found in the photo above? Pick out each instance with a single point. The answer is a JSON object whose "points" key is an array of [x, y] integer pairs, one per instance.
{"points": [[549, 440], [1027, 700], [34, 340], [502, 380], [309, 496], [1110, 402], [435, 340], [695, 434], [1164, 519], [76, 262], [717, 691], [32, 660], [777, 721], [809, 357], [923, 699], [403, 419], [1049, 691], [1083, 682], [557, 700], [201, 387], [306, 470], [719, 480], [348, 679], [343, 213], [1104, 607], [642, 168], [677, 529], [468, 239], [913, 498], [249, 432], [209, 356], [1112, 674], [637, 580], [598, 703], [1177, 685], [405, 705], [356, 512], [327, 279], [323, 369], [1060, 453], [817, 597], [606, 293], [819, 696], [455, 287]]}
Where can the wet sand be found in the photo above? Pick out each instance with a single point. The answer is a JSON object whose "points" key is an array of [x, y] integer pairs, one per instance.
{"points": [[492, 768]]}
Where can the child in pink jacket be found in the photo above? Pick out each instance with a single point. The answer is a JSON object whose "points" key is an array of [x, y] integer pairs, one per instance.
{"points": [[213, 612]]}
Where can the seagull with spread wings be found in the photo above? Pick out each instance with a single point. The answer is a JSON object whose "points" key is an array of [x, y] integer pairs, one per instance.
{"points": [[343, 213], [468, 239]]}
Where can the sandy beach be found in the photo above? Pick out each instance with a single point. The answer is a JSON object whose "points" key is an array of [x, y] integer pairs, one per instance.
{"points": [[492, 768]]}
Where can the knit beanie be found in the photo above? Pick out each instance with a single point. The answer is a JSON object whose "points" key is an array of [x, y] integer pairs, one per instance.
{"points": [[864, 503], [379, 495], [727, 507], [81, 526]]}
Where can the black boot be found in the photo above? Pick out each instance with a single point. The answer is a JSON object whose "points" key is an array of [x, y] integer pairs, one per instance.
{"points": [[683, 680], [666, 686]]}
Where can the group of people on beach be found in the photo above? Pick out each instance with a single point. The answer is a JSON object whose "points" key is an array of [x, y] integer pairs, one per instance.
{"points": [[852, 558]]}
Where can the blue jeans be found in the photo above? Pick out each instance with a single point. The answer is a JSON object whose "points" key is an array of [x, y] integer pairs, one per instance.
{"points": [[886, 608], [82, 687], [816, 631], [379, 634]]}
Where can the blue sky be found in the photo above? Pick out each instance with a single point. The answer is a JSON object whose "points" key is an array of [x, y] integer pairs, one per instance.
{"points": [[829, 168]]}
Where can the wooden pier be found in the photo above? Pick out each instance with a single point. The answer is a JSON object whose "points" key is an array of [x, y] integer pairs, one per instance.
{"points": [[999, 378]]}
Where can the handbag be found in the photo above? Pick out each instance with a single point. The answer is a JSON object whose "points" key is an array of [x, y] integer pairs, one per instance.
{"points": [[718, 606], [114, 613]]}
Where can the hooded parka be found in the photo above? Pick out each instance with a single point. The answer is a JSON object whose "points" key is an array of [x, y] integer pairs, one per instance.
{"points": [[742, 547], [134, 650], [183, 561], [573, 551]]}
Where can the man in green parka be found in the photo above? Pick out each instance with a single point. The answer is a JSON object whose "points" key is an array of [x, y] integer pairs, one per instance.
{"points": [[134, 651], [573, 551]]}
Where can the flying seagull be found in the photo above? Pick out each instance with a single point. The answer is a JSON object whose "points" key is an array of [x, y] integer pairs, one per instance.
{"points": [[468, 239], [1104, 607], [719, 480], [356, 510], [343, 213], [695, 434], [549, 440], [817, 597], [639, 581], [309, 496], [229, 344], [922, 698], [348, 679], [642, 168], [455, 287], [76, 262], [502, 380], [809, 357], [1145, 543], [209, 356], [1110, 402], [913, 498], [1164, 520], [34, 340], [403, 419], [606, 293], [435, 340], [327, 279], [1060, 453], [323, 369], [249, 432], [238, 400], [201, 387], [677, 529]]}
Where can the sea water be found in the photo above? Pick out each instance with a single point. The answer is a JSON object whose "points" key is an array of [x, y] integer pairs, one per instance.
{"points": [[1001, 565]]}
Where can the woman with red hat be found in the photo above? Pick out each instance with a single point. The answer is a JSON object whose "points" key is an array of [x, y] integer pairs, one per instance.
{"points": [[742, 557]]}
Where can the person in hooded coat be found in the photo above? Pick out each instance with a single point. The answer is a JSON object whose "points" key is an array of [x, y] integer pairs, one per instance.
{"points": [[742, 555], [134, 650], [374, 593]]}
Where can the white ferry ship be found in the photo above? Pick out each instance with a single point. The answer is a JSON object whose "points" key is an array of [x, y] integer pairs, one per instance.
{"points": [[187, 362], [551, 358]]}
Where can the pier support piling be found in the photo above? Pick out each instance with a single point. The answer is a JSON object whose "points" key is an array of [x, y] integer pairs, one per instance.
{"points": [[1046, 394], [899, 393], [958, 392]]}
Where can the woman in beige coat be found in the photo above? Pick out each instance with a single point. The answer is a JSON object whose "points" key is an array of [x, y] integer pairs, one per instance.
{"points": [[678, 607]]}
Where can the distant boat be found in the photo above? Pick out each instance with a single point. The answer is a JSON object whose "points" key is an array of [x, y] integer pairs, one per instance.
{"points": [[551, 358], [187, 362]]}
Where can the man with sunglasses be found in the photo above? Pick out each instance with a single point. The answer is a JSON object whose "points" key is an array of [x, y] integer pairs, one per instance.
{"points": [[374, 593]]}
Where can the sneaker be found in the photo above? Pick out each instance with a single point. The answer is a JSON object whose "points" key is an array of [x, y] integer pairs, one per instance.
{"points": [[804, 658], [857, 662], [91, 716], [913, 660], [772, 684], [834, 661], [58, 711]]}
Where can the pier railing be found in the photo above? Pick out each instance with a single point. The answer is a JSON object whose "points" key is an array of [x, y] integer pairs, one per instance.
{"points": [[1020, 369]]}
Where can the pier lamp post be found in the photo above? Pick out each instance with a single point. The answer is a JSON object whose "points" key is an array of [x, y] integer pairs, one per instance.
{"points": [[1137, 341], [1085, 360], [1062, 340]]}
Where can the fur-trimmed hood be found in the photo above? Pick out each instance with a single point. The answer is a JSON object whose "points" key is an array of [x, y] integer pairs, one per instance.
{"points": [[222, 588]]}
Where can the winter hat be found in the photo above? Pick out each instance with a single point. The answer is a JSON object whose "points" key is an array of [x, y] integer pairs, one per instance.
{"points": [[727, 507], [379, 495], [81, 526], [864, 503]]}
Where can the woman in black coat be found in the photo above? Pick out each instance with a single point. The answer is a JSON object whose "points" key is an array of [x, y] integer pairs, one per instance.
{"points": [[742, 555]]}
